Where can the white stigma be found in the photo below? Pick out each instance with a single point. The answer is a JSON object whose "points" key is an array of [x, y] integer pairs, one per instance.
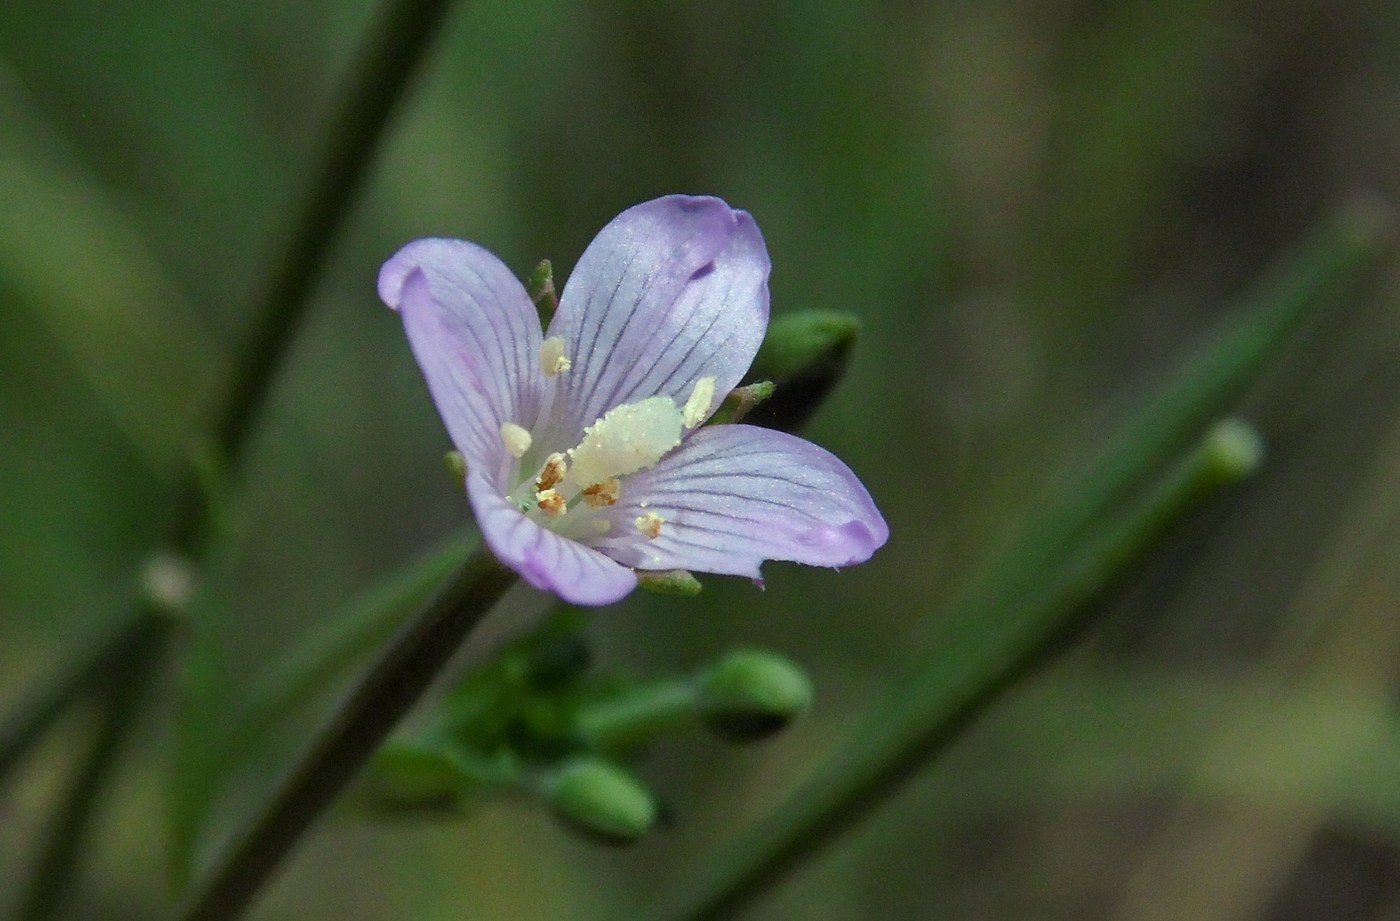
{"points": [[628, 438], [516, 439], [552, 358], [697, 408]]}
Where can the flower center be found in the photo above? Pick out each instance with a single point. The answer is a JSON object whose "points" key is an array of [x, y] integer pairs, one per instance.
{"points": [[569, 487]]}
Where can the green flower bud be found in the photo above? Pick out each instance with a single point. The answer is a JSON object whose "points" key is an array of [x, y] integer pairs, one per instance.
{"points": [[751, 694], [405, 777], [804, 354], [600, 800], [1234, 448], [168, 581]]}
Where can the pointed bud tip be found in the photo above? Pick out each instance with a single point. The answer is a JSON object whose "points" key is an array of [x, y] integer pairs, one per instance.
{"points": [[751, 694], [540, 286]]}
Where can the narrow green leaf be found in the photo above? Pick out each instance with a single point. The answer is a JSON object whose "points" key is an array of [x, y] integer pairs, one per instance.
{"points": [[80, 265], [1029, 596]]}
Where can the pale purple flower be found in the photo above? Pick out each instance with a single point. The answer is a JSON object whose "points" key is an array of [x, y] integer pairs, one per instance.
{"points": [[586, 453]]}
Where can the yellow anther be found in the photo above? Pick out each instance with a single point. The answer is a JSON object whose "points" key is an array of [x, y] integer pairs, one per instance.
{"points": [[552, 358], [697, 407], [551, 503], [649, 524], [555, 466], [516, 439], [601, 494]]}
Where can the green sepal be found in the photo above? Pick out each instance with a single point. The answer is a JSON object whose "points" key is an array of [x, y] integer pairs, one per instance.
{"points": [[669, 582], [456, 466], [433, 776], [540, 286], [740, 402]]}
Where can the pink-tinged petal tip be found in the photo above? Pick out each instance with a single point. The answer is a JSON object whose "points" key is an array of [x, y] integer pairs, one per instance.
{"points": [[733, 496]]}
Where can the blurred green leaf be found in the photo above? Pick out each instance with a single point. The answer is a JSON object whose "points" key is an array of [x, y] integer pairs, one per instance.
{"points": [[85, 271], [1116, 735]]}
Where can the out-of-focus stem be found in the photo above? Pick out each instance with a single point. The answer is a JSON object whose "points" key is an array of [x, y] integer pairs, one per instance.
{"points": [[126, 682], [379, 700], [395, 46], [926, 709]]}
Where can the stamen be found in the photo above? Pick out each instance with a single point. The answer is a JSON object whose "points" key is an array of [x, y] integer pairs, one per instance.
{"points": [[517, 440], [697, 408], [551, 503], [650, 525], [552, 358], [601, 494], [555, 466]]}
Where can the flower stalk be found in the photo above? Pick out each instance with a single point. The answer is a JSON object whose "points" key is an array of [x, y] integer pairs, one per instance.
{"points": [[402, 673]]}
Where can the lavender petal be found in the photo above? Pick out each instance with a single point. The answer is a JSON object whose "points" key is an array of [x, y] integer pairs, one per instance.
{"points": [[733, 496], [476, 337], [575, 573], [669, 292]]}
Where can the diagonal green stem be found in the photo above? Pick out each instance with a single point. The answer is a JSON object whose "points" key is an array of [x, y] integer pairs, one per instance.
{"points": [[405, 669], [395, 46], [1014, 588], [923, 711]]}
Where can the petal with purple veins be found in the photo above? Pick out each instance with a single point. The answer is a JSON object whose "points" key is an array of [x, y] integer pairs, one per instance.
{"points": [[577, 574], [476, 337], [671, 291], [733, 496]]}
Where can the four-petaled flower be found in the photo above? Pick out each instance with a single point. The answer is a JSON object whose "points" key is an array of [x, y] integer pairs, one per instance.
{"points": [[585, 450]]}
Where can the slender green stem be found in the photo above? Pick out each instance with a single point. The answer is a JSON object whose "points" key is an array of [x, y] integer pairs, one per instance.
{"points": [[379, 700], [638, 715], [928, 708], [125, 684], [395, 46]]}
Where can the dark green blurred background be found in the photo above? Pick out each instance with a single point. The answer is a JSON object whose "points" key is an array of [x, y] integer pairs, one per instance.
{"points": [[1034, 207]]}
